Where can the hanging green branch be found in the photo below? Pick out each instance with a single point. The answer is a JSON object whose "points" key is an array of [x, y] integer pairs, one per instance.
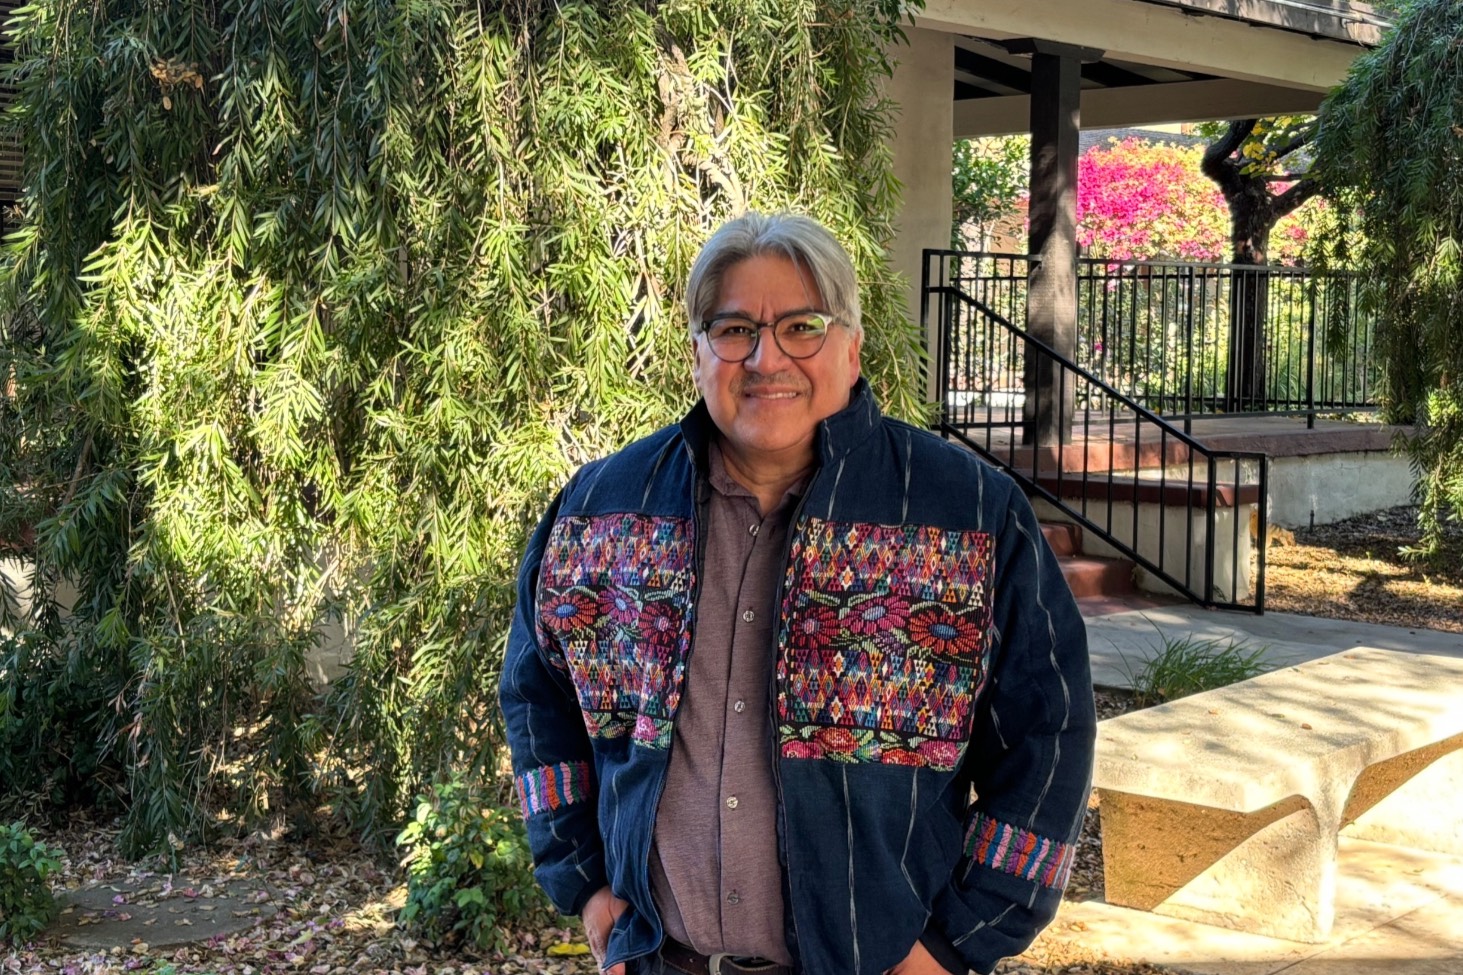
{"points": [[313, 305], [1390, 154]]}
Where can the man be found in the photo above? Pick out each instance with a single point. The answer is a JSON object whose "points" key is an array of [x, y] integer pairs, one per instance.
{"points": [[762, 659]]}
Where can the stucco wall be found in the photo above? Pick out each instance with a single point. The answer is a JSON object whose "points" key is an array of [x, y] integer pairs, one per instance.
{"points": [[922, 87], [1322, 488]]}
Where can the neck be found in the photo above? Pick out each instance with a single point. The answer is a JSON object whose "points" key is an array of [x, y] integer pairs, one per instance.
{"points": [[769, 478]]}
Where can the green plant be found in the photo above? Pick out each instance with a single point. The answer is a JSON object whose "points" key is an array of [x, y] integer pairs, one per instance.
{"points": [[1388, 156], [988, 178], [1190, 665], [469, 868], [311, 306], [26, 902]]}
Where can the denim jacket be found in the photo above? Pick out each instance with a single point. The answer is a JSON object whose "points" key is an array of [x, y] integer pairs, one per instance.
{"points": [[932, 700]]}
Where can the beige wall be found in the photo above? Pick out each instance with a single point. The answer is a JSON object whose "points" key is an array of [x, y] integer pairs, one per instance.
{"points": [[922, 87]]}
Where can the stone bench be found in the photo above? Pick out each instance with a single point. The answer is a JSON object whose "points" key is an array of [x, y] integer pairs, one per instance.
{"points": [[1226, 807]]}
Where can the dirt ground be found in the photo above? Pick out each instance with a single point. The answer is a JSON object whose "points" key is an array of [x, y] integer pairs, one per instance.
{"points": [[1356, 570]]}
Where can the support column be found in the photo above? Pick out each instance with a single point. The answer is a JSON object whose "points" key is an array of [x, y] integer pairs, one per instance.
{"points": [[923, 89], [1051, 298]]}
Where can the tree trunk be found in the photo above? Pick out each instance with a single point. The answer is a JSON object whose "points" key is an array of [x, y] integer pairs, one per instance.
{"points": [[1249, 300]]}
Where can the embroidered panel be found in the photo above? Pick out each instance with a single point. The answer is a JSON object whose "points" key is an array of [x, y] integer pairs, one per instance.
{"points": [[915, 561], [614, 599], [1019, 852], [554, 786], [885, 642]]}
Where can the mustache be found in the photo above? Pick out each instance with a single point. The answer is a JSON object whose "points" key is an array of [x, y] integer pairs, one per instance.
{"points": [[754, 384]]}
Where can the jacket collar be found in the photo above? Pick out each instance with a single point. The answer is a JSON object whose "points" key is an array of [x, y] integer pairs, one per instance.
{"points": [[837, 435]]}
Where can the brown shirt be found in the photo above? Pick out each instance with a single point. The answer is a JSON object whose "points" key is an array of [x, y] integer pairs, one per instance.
{"points": [[714, 866]]}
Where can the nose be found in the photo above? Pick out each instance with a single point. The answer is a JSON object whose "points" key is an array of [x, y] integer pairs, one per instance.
{"points": [[768, 355]]}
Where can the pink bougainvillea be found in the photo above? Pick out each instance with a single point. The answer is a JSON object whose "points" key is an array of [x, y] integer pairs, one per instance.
{"points": [[1140, 200]]}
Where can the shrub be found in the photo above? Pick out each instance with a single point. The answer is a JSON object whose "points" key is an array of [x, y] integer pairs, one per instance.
{"points": [[469, 868], [325, 310], [26, 902], [1190, 665]]}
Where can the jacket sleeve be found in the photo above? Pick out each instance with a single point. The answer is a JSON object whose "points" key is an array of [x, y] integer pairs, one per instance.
{"points": [[553, 766], [1029, 761]]}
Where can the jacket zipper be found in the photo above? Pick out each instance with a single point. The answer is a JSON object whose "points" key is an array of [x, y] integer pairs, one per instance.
{"points": [[777, 640], [696, 566]]}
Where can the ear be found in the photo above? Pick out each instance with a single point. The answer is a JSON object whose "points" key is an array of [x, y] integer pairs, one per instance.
{"points": [[696, 364], [853, 358]]}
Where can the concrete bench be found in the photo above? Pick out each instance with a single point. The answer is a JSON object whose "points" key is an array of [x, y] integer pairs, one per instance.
{"points": [[1226, 807]]}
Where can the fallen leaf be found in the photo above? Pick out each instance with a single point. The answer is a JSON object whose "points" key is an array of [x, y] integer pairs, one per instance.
{"points": [[570, 949]]}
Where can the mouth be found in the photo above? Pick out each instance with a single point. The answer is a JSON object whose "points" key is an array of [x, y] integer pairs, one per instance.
{"points": [[770, 394]]}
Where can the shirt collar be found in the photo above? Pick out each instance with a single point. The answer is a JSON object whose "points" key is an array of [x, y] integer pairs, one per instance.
{"points": [[723, 483]]}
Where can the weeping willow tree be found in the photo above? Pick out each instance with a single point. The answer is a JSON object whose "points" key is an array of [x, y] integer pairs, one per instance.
{"points": [[312, 305], [1390, 153]]}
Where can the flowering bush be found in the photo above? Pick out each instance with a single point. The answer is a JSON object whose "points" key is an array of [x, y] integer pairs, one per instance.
{"points": [[1139, 200]]}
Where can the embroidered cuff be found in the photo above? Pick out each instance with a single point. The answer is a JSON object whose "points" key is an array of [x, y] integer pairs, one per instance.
{"points": [[553, 786], [1018, 852]]}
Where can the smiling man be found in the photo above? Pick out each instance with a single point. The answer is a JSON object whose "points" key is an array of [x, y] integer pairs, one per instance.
{"points": [[793, 687]]}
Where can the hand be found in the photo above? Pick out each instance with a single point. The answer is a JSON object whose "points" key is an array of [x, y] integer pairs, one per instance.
{"points": [[918, 962], [599, 917]]}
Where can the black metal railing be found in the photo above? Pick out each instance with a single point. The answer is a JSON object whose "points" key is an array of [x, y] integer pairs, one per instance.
{"points": [[1189, 339], [1191, 517]]}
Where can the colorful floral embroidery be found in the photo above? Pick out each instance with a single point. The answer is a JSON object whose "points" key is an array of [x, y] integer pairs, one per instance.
{"points": [[1019, 852], [568, 611], [885, 643], [614, 601], [875, 614], [620, 605], [941, 631], [554, 786], [861, 745]]}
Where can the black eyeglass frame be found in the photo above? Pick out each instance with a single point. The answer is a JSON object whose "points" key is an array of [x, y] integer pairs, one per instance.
{"points": [[707, 323]]}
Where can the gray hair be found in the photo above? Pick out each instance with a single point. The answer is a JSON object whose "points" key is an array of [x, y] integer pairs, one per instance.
{"points": [[802, 240]]}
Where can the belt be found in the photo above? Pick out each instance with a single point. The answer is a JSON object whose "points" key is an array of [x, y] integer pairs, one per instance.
{"points": [[684, 959]]}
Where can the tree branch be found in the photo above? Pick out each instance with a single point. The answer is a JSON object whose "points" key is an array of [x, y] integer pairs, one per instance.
{"points": [[1233, 138], [1292, 198], [1300, 140], [1218, 165]]}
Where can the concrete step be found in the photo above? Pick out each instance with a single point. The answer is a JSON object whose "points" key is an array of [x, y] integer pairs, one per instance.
{"points": [[1089, 576], [1064, 538]]}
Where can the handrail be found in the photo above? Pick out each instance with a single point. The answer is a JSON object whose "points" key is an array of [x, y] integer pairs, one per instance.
{"points": [[1149, 491], [1190, 339]]}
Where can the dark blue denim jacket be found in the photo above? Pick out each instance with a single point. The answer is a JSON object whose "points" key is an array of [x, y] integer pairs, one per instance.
{"points": [[932, 706]]}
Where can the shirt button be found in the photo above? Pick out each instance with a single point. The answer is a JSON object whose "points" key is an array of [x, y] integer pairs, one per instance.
{"points": [[733, 898], [731, 802], [753, 530], [739, 707], [748, 616]]}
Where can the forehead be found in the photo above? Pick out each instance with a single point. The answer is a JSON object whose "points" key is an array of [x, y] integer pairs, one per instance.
{"points": [[767, 283]]}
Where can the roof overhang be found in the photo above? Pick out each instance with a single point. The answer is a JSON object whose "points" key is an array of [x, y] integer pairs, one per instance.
{"points": [[1152, 60]]}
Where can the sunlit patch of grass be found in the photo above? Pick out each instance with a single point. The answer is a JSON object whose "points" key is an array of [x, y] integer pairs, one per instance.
{"points": [[1191, 665]]}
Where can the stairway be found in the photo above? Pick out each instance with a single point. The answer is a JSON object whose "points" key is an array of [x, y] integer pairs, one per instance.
{"points": [[1087, 575]]}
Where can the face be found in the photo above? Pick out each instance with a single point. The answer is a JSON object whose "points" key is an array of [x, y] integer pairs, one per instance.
{"points": [[768, 407]]}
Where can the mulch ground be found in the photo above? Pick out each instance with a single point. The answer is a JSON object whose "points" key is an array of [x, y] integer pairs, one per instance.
{"points": [[1357, 570], [336, 905]]}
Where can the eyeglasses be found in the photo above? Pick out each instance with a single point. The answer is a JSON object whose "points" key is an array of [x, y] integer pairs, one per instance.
{"points": [[734, 338]]}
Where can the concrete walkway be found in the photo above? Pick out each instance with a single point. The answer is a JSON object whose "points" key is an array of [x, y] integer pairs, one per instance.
{"points": [[1120, 642], [1398, 911]]}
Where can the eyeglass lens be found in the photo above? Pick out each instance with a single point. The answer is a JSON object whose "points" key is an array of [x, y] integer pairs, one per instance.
{"points": [[799, 336]]}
